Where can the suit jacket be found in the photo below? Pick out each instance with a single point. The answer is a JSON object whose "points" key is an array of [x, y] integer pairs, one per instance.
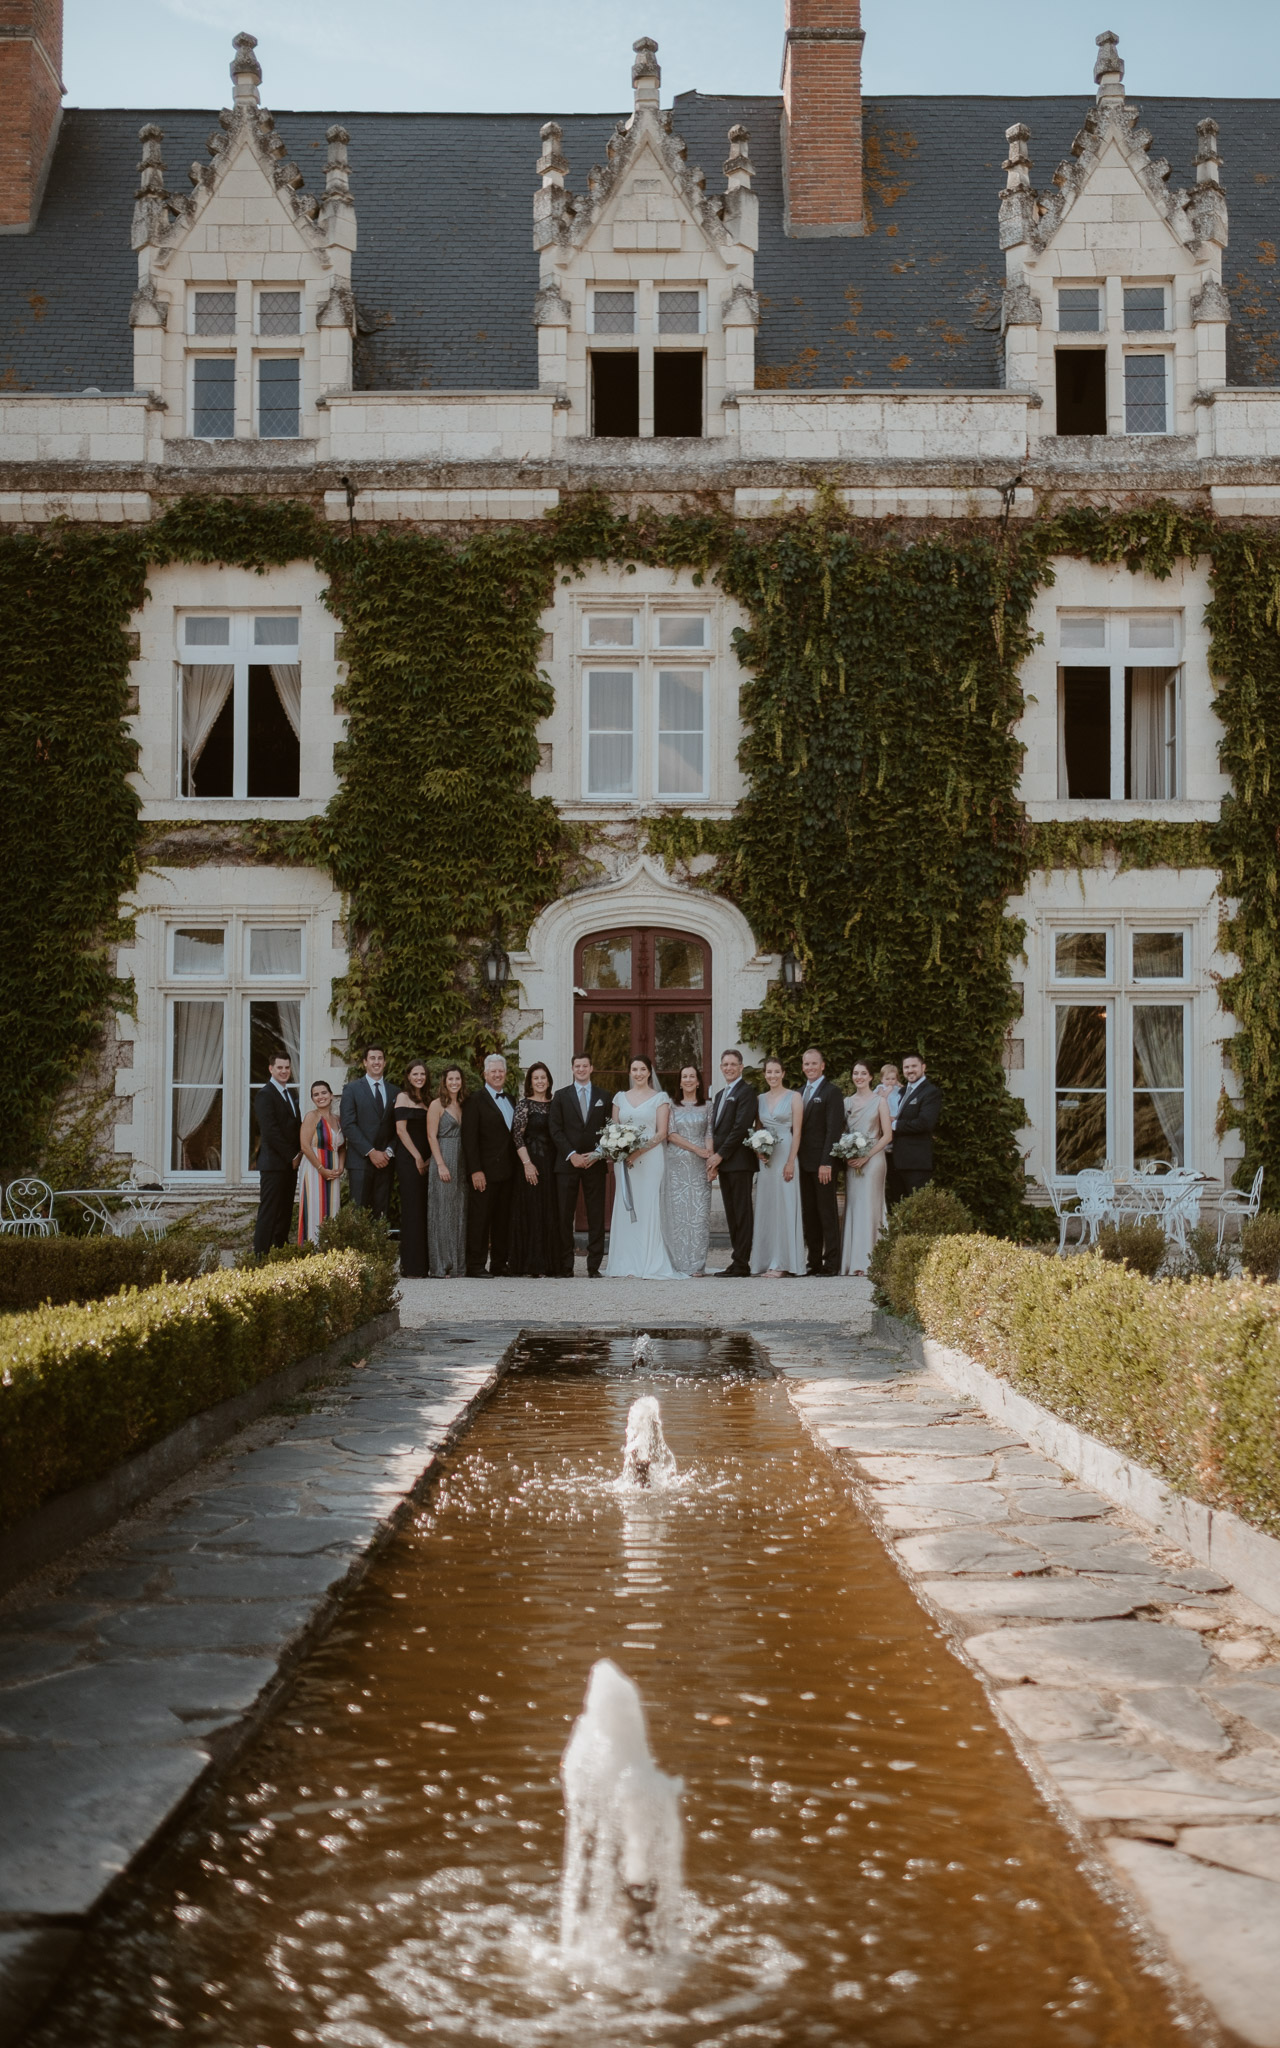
{"points": [[730, 1122], [365, 1127], [570, 1130], [487, 1144], [821, 1125], [917, 1121], [278, 1124]]}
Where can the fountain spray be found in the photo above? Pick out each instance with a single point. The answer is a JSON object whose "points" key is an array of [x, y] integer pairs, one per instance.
{"points": [[621, 1889], [647, 1460]]}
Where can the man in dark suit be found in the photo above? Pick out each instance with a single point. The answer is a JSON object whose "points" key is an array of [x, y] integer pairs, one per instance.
{"points": [[366, 1114], [275, 1109], [732, 1162], [489, 1161], [577, 1116], [911, 1160], [822, 1123]]}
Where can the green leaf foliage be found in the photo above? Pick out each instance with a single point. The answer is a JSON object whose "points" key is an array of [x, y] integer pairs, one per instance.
{"points": [[62, 1269]]}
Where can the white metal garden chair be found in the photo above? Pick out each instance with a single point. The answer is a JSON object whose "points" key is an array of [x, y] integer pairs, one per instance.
{"points": [[30, 1205], [1234, 1202], [1062, 1192], [1097, 1192], [1181, 1195]]}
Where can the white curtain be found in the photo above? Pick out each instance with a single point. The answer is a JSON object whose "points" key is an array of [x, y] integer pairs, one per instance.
{"points": [[1158, 1067], [287, 677], [205, 689], [275, 951], [1150, 731], [197, 1063], [291, 1032]]}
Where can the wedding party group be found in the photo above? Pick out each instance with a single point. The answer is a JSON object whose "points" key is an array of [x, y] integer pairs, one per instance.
{"points": [[491, 1184]]}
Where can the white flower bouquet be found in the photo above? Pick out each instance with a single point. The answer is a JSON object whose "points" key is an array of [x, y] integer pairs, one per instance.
{"points": [[616, 1140], [762, 1143], [853, 1145]]}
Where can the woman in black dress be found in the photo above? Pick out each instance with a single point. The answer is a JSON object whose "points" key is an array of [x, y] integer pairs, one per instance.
{"points": [[534, 1243], [412, 1158]]}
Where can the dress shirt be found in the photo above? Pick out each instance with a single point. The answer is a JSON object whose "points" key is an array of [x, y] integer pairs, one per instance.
{"points": [[286, 1090], [503, 1103]]}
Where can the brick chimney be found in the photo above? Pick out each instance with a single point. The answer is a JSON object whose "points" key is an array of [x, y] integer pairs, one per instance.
{"points": [[822, 118], [31, 92]]}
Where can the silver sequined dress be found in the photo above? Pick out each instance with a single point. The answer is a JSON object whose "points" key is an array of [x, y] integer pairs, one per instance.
{"points": [[686, 1191]]}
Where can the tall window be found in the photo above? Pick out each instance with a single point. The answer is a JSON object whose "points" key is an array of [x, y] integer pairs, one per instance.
{"points": [[646, 691], [240, 704], [1120, 1046], [1146, 396], [249, 385], [647, 361], [1119, 705], [235, 1002]]}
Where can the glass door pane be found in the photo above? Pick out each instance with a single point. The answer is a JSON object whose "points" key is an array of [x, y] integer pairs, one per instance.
{"points": [[607, 1037], [275, 1026], [195, 1144], [679, 1040], [1080, 1087], [1159, 1102]]}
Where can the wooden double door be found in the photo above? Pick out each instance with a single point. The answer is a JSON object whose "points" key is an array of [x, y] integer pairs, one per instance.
{"points": [[643, 990]]}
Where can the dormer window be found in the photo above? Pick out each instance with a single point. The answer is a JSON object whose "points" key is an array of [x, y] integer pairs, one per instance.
{"points": [[1080, 309], [1144, 309]]}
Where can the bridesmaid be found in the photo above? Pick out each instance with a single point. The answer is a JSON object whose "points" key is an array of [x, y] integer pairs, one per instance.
{"points": [[534, 1242], [320, 1178], [686, 1191], [411, 1168], [447, 1190], [777, 1243], [866, 1110]]}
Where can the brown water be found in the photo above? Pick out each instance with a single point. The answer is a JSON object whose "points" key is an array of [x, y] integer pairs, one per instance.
{"points": [[866, 1860]]}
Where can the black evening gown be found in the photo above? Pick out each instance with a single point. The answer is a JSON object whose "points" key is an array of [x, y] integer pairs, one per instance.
{"points": [[534, 1241], [413, 1195]]}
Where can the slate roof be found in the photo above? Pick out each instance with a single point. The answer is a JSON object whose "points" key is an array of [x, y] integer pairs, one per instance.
{"points": [[445, 272]]}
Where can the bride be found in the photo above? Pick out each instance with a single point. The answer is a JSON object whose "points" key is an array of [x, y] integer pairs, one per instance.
{"points": [[636, 1247]]}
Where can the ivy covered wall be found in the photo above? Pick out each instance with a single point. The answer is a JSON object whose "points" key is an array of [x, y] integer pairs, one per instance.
{"points": [[881, 838]]}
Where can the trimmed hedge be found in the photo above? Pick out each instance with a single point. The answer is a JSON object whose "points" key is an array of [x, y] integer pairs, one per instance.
{"points": [[61, 1269], [83, 1388], [1183, 1376]]}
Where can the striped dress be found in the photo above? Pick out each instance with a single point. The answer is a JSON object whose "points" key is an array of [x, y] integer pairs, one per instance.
{"points": [[318, 1197]]}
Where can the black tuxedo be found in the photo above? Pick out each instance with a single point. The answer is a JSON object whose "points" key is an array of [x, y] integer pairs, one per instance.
{"points": [[487, 1148], [278, 1124], [822, 1123], [911, 1159], [572, 1132], [733, 1112], [367, 1128]]}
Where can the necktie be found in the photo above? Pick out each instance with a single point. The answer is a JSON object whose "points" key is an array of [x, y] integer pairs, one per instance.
{"points": [[584, 1097], [809, 1087], [381, 1098]]}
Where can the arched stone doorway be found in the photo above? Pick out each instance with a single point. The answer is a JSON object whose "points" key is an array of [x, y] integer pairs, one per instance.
{"points": [[642, 989]]}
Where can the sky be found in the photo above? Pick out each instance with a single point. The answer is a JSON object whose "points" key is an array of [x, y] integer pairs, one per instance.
{"points": [[574, 56]]}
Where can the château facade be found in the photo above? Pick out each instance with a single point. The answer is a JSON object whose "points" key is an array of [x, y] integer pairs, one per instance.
{"points": [[435, 324]]}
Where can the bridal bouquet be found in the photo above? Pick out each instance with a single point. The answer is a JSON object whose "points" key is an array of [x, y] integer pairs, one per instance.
{"points": [[616, 1140], [762, 1144], [853, 1145]]}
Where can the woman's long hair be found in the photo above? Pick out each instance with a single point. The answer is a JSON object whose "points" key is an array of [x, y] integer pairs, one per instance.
{"points": [[443, 1095], [416, 1095]]}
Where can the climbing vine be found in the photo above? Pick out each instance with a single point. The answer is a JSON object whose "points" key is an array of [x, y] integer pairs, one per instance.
{"points": [[880, 840]]}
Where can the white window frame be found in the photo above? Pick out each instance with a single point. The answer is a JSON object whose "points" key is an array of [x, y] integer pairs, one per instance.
{"points": [[645, 659], [1081, 284], [282, 352], [1163, 355], [252, 924], [634, 672], [1119, 995], [284, 341], [675, 284], [1116, 655], [246, 995], [224, 289], [216, 976], [240, 654], [207, 350], [624, 285], [1144, 284]]}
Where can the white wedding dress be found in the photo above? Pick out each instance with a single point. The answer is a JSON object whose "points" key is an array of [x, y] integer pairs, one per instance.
{"points": [[637, 1249]]}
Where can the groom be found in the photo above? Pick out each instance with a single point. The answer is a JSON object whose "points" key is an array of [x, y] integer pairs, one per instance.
{"points": [[822, 1124], [732, 1162], [575, 1120]]}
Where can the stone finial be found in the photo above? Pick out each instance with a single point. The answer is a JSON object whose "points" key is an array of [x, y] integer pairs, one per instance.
{"points": [[337, 171], [646, 74], [1017, 164], [246, 72], [1207, 160], [1108, 72], [739, 169], [151, 165], [553, 164], [1210, 303]]}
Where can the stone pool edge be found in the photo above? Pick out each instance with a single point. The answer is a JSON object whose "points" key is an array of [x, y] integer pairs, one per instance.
{"points": [[36, 1947], [1212, 1536]]}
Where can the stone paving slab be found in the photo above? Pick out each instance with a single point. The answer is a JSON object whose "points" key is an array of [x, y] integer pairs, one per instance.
{"points": [[1143, 1691], [749, 1304], [113, 1696]]}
